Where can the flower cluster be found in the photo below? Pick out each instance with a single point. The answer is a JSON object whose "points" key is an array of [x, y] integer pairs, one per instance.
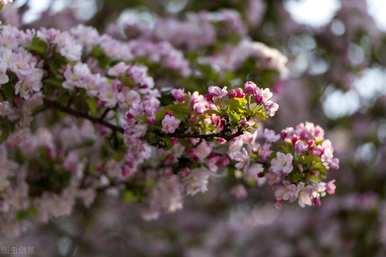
{"points": [[102, 46], [221, 112], [196, 31], [295, 162], [237, 53], [233, 57], [83, 113]]}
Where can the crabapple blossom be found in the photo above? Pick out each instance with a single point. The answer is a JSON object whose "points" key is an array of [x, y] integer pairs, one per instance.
{"points": [[197, 181], [304, 198], [282, 163], [331, 187], [202, 150], [217, 92], [178, 94], [256, 172], [287, 193], [271, 136], [170, 124]]}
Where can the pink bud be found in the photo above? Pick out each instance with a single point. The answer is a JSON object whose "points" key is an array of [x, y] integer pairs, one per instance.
{"points": [[278, 204], [250, 88], [316, 202], [300, 147], [168, 172], [331, 187], [221, 140], [126, 170], [294, 139], [223, 162], [318, 151], [178, 94], [129, 116], [184, 172], [311, 144], [236, 93], [151, 121], [259, 99]]}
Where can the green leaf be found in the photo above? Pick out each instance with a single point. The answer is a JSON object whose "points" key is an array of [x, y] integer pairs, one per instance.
{"points": [[92, 105], [6, 127], [37, 46], [129, 196], [296, 176], [180, 111], [26, 214], [284, 147], [119, 155], [160, 114], [7, 90], [256, 110], [103, 60]]}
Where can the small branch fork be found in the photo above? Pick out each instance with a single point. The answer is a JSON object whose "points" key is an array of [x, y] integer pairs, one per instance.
{"points": [[55, 105]]}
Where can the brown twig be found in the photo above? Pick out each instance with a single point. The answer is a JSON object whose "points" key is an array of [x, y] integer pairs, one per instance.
{"points": [[55, 105]]}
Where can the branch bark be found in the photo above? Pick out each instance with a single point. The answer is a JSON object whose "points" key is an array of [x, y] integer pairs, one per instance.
{"points": [[55, 105]]}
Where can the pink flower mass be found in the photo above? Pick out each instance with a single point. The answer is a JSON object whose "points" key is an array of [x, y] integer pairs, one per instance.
{"points": [[161, 123]]}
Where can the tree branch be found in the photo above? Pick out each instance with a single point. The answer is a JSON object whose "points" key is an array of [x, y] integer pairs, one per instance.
{"points": [[209, 136], [55, 105], [58, 106]]}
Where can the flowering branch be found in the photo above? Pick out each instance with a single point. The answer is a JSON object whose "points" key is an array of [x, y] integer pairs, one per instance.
{"points": [[165, 142], [55, 105]]}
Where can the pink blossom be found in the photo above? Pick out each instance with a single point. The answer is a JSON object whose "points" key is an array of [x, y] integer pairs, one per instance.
{"points": [[178, 94], [265, 151], [273, 178], [250, 88], [256, 172], [282, 163], [199, 104], [300, 147], [271, 108], [286, 193], [217, 92], [271, 136], [170, 124], [217, 121], [305, 198], [196, 182], [75, 76], [331, 187], [334, 163], [236, 93], [202, 150], [118, 70]]}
